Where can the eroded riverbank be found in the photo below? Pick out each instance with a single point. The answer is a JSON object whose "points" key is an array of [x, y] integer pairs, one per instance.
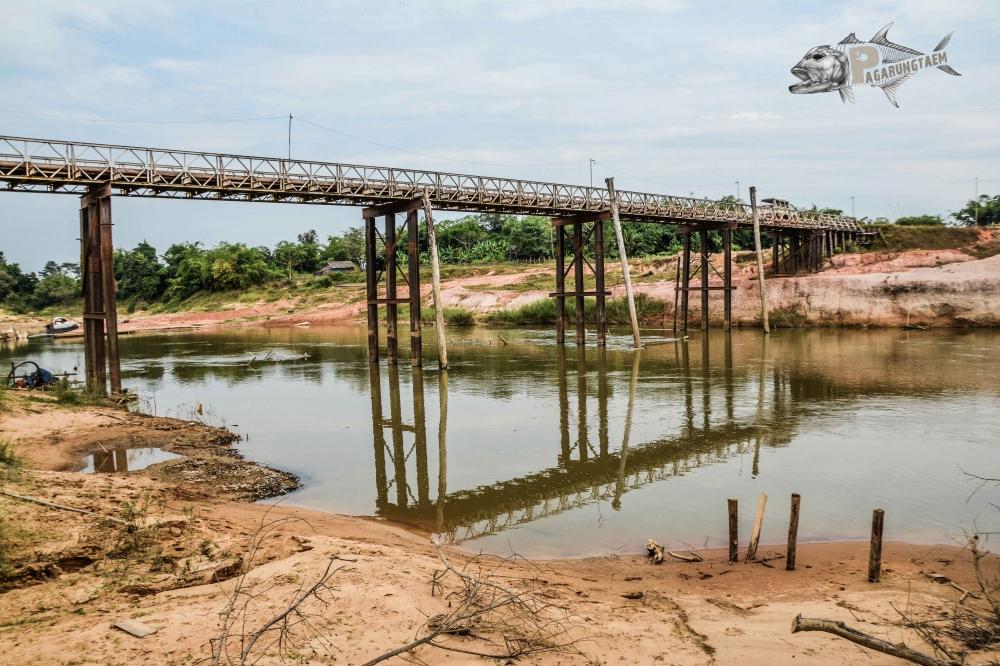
{"points": [[187, 542]]}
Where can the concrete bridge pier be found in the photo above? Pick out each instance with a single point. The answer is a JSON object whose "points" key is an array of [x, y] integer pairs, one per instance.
{"points": [[578, 241], [375, 266], [100, 310]]}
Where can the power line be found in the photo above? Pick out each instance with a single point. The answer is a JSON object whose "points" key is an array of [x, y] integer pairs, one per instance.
{"points": [[56, 116], [431, 155]]}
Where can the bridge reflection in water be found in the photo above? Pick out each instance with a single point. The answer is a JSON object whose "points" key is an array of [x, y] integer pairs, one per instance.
{"points": [[587, 468]]}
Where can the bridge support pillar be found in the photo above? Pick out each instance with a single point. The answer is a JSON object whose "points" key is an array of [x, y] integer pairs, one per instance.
{"points": [[581, 236], [373, 273], [727, 279], [703, 238], [685, 280], [100, 311]]}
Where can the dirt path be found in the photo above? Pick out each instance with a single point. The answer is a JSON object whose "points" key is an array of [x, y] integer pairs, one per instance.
{"points": [[176, 559]]}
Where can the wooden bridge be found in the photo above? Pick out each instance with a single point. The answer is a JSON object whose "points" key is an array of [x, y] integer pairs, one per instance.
{"points": [[96, 172]]}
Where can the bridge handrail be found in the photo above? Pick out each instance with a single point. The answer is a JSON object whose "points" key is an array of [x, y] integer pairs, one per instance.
{"points": [[75, 161]]}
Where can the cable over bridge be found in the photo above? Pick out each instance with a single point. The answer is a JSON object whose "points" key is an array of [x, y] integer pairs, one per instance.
{"points": [[74, 167]]}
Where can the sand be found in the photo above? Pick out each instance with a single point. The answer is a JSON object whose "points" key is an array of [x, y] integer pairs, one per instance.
{"points": [[73, 575]]}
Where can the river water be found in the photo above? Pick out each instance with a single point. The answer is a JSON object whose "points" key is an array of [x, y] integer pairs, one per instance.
{"points": [[555, 451]]}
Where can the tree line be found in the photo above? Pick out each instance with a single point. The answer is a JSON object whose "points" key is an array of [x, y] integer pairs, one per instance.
{"points": [[145, 276]]}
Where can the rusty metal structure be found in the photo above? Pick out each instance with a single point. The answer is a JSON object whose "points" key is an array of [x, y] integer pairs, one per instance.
{"points": [[95, 172]]}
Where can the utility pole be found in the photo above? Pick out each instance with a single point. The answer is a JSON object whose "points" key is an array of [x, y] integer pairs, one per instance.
{"points": [[592, 163], [737, 189], [289, 137], [975, 201], [852, 207]]}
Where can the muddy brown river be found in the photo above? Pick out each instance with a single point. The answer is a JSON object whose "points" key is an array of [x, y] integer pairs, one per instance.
{"points": [[555, 451]]}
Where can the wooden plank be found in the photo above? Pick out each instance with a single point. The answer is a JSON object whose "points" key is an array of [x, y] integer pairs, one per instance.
{"points": [[620, 239]]}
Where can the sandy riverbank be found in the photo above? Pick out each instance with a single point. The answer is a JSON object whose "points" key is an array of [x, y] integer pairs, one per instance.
{"points": [[188, 536]]}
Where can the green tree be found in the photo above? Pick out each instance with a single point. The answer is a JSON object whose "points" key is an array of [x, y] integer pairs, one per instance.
{"points": [[983, 211], [54, 289], [139, 273], [528, 237]]}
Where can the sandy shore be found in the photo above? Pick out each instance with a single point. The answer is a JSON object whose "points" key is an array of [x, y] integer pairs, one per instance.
{"points": [[188, 538]]}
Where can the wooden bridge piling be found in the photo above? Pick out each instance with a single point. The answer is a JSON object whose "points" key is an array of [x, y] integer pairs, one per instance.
{"points": [[100, 312], [371, 284], [391, 307], [686, 280], [413, 282], [578, 242]]}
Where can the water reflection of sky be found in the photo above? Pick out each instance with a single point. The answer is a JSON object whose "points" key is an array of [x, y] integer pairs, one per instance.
{"points": [[850, 419]]}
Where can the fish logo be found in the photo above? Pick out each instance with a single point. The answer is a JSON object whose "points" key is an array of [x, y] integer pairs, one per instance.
{"points": [[878, 63]]}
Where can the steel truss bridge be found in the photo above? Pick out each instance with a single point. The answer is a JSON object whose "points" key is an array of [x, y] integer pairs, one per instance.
{"points": [[73, 167]]}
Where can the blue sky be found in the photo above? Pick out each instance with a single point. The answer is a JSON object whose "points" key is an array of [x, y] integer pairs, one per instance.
{"points": [[667, 96]]}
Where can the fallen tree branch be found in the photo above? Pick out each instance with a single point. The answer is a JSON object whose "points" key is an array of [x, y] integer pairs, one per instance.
{"points": [[63, 507], [885, 647], [686, 557]]}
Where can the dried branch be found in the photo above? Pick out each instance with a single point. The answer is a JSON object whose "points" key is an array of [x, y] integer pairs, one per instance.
{"points": [[840, 629], [505, 621]]}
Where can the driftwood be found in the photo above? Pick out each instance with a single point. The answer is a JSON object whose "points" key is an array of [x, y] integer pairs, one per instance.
{"points": [[885, 647], [686, 557], [62, 507], [655, 551]]}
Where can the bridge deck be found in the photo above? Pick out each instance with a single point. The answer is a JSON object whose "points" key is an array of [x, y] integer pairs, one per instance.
{"points": [[70, 167]]}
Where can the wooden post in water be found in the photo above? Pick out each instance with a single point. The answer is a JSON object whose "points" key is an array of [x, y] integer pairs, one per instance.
{"points": [[560, 284], [413, 280], [436, 284], [875, 553], [758, 521], [620, 239], [602, 320], [793, 533], [677, 289], [578, 281], [703, 237], [760, 259], [686, 281], [391, 308], [734, 540], [371, 285], [727, 278]]}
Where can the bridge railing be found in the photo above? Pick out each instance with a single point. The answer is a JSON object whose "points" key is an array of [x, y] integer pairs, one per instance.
{"points": [[27, 163]]}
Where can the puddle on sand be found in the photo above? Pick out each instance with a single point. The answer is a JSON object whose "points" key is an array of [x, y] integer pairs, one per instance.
{"points": [[126, 460]]}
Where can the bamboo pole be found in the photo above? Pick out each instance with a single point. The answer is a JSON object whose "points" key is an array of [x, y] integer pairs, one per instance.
{"points": [[436, 285], [793, 533], [734, 541], [620, 238], [875, 553], [758, 521], [760, 259]]}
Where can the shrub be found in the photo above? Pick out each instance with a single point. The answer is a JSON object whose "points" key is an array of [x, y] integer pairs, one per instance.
{"points": [[459, 317]]}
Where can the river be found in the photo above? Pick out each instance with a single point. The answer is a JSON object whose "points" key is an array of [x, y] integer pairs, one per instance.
{"points": [[553, 451]]}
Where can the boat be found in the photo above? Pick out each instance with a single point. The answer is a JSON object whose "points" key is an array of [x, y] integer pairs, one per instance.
{"points": [[61, 325]]}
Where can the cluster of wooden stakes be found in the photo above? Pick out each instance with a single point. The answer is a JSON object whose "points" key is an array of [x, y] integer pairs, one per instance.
{"points": [[657, 552]]}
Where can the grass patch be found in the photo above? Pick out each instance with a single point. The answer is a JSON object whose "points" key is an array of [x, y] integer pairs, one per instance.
{"points": [[10, 462], [543, 311], [67, 395], [452, 316]]}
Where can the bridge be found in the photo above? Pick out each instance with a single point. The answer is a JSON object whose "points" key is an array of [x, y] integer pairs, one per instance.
{"points": [[96, 172]]}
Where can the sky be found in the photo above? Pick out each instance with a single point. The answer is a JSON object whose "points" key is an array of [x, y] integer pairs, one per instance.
{"points": [[667, 96]]}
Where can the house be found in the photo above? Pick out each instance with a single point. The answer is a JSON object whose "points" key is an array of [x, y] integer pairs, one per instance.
{"points": [[337, 267]]}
